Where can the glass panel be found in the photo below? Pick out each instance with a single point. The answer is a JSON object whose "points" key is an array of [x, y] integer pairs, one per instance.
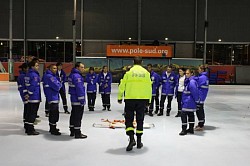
{"points": [[200, 51], [239, 54], [37, 49], [4, 51], [222, 54], [78, 49], [68, 51], [55, 51], [17, 51]]}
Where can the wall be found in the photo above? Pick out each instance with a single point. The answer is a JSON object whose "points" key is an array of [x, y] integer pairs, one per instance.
{"points": [[117, 20], [242, 75]]}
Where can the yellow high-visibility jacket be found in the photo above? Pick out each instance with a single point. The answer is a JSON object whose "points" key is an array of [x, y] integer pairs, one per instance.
{"points": [[136, 84]]}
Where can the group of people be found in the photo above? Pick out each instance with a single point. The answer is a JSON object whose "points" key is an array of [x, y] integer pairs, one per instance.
{"points": [[190, 90], [53, 80], [140, 89]]}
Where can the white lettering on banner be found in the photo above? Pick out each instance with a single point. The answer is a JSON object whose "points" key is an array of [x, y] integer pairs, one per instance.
{"points": [[139, 50]]}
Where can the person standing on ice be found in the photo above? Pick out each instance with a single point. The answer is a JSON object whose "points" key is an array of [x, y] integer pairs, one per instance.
{"points": [[203, 86], [137, 86], [105, 81], [23, 90], [77, 98], [190, 98]]}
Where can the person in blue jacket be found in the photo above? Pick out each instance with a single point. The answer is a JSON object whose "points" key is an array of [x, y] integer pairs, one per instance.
{"points": [[53, 86], [179, 89], [77, 98], [203, 86], [32, 83], [168, 83], [190, 98], [105, 81], [61, 75], [91, 79], [155, 78], [45, 87], [23, 90]]}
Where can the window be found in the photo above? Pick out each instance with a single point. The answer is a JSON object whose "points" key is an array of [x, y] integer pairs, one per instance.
{"points": [[68, 52], [55, 51], [200, 52], [37, 49], [4, 51]]}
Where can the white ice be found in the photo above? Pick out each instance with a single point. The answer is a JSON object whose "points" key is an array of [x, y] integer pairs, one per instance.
{"points": [[224, 142]]}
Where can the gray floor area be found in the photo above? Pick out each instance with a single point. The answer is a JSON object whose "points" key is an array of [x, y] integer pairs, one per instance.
{"points": [[225, 140]]}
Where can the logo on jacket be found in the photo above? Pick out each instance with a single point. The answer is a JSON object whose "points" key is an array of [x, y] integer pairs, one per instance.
{"points": [[79, 80]]}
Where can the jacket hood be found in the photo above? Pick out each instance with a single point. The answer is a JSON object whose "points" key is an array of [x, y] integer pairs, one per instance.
{"points": [[21, 72], [50, 72], [204, 73], [32, 70], [74, 70]]}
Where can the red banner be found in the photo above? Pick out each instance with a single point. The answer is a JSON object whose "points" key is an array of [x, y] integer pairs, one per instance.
{"points": [[143, 51]]}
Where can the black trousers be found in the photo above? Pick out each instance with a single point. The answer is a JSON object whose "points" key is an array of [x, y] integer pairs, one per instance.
{"points": [[46, 107], [179, 99], [200, 114], [133, 106], [187, 118], [156, 100], [75, 120], [151, 107], [163, 98], [64, 99], [30, 118], [53, 113], [25, 110], [91, 99], [106, 100]]}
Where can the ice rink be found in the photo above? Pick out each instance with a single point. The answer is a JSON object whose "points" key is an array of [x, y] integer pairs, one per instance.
{"points": [[224, 142]]}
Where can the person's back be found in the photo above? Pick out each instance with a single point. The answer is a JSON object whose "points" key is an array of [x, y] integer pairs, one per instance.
{"points": [[138, 83], [137, 86], [203, 86]]}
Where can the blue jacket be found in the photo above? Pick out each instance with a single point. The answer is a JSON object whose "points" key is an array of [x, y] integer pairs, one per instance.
{"points": [[32, 83], [52, 87], [91, 80], [21, 86], [105, 83], [62, 78], [203, 86], [76, 88], [168, 84], [155, 78], [190, 95], [45, 85]]}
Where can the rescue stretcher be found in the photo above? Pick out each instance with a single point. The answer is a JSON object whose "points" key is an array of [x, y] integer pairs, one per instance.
{"points": [[112, 124]]}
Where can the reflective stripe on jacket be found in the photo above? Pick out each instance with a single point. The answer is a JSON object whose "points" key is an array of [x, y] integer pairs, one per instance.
{"points": [[32, 83], [190, 95], [76, 88]]}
